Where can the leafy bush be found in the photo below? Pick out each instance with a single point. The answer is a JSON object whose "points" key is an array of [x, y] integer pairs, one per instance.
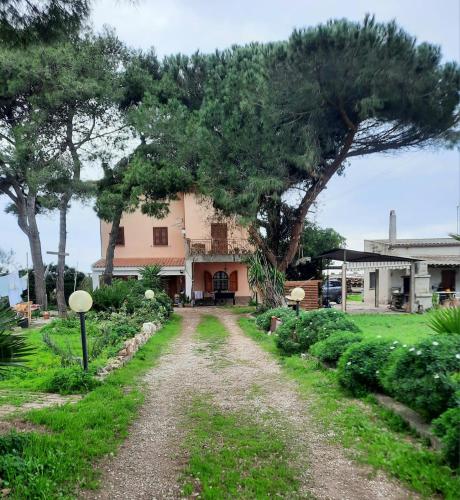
{"points": [[264, 319], [70, 380], [329, 350], [359, 366], [445, 320], [298, 334], [111, 298], [447, 427], [423, 376], [128, 297], [287, 339]]}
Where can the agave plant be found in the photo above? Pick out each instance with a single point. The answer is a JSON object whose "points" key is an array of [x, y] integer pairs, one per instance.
{"points": [[13, 347], [445, 320]]}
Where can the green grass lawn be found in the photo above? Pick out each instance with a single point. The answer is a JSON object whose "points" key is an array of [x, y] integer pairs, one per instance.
{"points": [[232, 456], [355, 297], [55, 465], [42, 363], [240, 309], [406, 328], [373, 435]]}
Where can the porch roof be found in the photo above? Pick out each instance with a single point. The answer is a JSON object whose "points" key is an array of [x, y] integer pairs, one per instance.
{"points": [[142, 261], [441, 260], [345, 255]]}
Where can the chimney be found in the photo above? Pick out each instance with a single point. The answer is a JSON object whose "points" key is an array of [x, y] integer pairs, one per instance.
{"points": [[392, 229]]}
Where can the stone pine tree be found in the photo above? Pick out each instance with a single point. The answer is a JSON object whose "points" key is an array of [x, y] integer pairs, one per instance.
{"points": [[24, 22], [58, 113], [278, 121], [144, 179], [87, 123], [24, 168]]}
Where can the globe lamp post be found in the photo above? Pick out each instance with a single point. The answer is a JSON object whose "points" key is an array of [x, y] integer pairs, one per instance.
{"points": [[81, 302], [297, 294], [149, 294]]}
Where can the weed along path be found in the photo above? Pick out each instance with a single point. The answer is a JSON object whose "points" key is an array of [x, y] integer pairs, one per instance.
{"points": [[220, 420]]}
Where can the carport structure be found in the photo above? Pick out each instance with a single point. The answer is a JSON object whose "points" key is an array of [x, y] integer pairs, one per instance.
{"points": [[355, 259]]}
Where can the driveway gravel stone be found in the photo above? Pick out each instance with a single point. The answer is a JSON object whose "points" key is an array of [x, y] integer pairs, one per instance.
{"points": [[240, 377]]}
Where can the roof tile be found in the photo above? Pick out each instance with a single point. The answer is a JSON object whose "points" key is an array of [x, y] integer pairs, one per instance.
{"points": [[142, 261]]}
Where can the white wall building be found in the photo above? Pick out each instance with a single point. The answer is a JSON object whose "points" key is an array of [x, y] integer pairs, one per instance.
{"points": [[437, 271]]}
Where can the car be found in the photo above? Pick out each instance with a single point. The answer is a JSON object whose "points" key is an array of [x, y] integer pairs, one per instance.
{"points": [[332, 292]]}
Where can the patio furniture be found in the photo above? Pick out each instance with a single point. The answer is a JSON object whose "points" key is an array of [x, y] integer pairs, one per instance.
{"points": [[220, 295]]}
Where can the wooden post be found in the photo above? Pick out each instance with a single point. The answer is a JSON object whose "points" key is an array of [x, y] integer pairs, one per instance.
{"points": [[344, 286]]}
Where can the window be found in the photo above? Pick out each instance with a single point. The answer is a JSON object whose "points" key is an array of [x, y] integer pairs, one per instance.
{"points": [[220, 281], [160, 236], [120, 236], [372, 281]]}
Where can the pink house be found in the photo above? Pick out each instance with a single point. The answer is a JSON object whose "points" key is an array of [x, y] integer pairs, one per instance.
{"points": [[200, 253]]}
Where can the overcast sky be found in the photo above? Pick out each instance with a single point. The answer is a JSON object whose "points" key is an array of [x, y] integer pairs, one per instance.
{"points": [[423, 186]]}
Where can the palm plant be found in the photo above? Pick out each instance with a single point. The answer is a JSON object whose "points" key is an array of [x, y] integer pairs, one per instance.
{"points": [[13, 347], [150, 277], [445, 320], [266, 280]]}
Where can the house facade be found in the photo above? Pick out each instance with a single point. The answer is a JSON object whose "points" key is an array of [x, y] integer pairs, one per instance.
{"points": [[200, 253], [436, 272]]}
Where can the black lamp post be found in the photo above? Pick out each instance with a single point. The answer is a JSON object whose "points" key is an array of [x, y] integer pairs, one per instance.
{"points": [[81, 302], [297, 294]]}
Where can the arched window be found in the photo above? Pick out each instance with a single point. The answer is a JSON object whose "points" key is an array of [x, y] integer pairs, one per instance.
{"points": [[220, 281]]}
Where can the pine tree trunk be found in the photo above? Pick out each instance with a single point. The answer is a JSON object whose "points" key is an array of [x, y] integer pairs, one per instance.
{"points": [[60, 296], [108, 272], [27, 222]]}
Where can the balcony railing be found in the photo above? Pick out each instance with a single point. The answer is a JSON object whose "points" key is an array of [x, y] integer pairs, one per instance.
{"points": [[218, 247]]}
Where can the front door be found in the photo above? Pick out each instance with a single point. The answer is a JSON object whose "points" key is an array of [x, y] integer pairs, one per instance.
{"points": [[448, 279], [219, 239]]}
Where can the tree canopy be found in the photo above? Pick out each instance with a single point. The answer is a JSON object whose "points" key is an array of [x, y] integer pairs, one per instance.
{"points": [[267, 126]]}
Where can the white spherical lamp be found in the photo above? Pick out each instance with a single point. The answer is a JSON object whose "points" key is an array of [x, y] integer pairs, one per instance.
{"points": [[297, 294], [80, 301], [149, 294]]}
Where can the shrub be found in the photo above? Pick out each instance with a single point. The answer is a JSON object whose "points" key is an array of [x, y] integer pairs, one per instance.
{"points": [[423, 376], [447, 428], [70, 380], [445, 320], [360, 365], [287, 339], [329, 350], [298, 334], [264, 319], [111, 298]]}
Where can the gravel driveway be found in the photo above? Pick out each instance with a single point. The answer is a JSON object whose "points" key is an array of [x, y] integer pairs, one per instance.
{"points": [[149, 463]]}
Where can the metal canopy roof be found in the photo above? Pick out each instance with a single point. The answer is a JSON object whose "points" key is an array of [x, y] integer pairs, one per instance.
{"points": [[345, 255]]}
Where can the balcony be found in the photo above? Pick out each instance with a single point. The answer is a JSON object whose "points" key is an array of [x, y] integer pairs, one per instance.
{"points": [[214, 249]]}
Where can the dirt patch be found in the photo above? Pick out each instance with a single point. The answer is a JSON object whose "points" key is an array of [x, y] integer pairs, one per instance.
{"points": [[37, 401], [7, 426]]}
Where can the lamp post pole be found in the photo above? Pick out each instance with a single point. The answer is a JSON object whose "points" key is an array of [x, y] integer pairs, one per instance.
{"points": [[297, 308], [84, 345], [81, 302]]}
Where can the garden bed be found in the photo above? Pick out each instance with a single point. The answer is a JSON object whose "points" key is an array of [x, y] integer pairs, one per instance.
{"points": [[419, 368], [374, 434]]}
